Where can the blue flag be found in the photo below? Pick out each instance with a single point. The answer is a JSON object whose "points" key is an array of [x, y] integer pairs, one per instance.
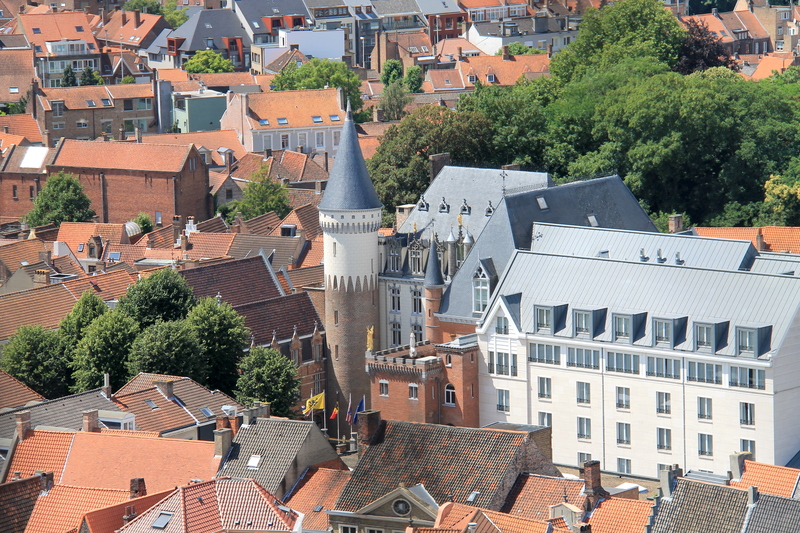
{"points": [[359, 408]]}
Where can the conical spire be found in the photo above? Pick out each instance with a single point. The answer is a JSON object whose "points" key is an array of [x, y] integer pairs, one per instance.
{"points": [[349, 185], [433, 273]]}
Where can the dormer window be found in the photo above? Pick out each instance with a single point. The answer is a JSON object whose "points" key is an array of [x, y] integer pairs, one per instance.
{"points": [[489, 210], [663, 332], [622, 328], [583, 323], [490, 78], [753, 341], [444, 207], [472, 78], [746, 341], [422, 205], [544, 319], [501, 325], [480, 291], [465, 209]]}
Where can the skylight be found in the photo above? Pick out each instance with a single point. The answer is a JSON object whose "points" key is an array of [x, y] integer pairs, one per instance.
{"points": [[593, 221], [79, 29], [151, 404], [37, 31], [252, 463], [114, 256], [413, 49], [207, 412], [542, 202], [283, 121], [335, 118], [80, 247], [106, 101], [255, 24], [317, 119], [37, 48], [91, 103], [208, 25], [162, 520], [263, 121]]}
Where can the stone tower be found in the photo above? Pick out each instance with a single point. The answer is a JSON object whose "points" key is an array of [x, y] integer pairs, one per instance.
{"points": [[350, 216]]}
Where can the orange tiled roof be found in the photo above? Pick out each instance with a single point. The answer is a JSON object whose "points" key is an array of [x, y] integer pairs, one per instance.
{"points": [[76, 233], [306, 218], [225, 79], [14, 393], [776, 238], [715, 25], [143, 381], [60, 509], [17, 72], [130, 90], [533, 494], [43, 306], [621, 515], [173, 74], [107, 286], [129, 32], [317, 487], [209, 139], [514, 524], [505, 72], [265, 81], [770, 479], [7, 139], [297, 107], [121, 155], [12, 255], [109, 519], [74, 97], [314, 255], [475, 4], [209, 245], [128, 253], [263, 224], [216, 180], [41, 450], [23, 125], [57, 26], [769, 65]]}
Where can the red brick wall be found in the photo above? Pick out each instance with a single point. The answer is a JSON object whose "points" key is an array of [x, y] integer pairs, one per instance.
{"points": [[9, 207]]}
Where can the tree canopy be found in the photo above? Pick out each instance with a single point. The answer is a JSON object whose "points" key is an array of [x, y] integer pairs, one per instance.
{"points": [[68, 77], [394, 100], [104, 348], [392, 71], [320, 73], [88, 307], [261, 196], [36, 357], [168, 348], [208, 61], [701, 50], [175, 16], [144, 222], [519, 49], [164, 295], [61, 200], [268, 375], [90, 76], [414, 78]]}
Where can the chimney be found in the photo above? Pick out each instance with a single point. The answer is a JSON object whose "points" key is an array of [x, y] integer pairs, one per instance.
{"points": [[250, 416], [368, 424], [668, 478], [184, 245], [5, 129], [325, 160], [16, 476], [222, 441], [715, 12], [752, 495], [737, 464], [550, 51], [46, 480], [138, 134], [107, 385], [222, 422], [591, 477], [130, 514], [121, 131], [137, 18], [675, 223], [124, 17], [378, 115], [459, 54], [23, 424], [138, 488], [228, 162], [41, 277], [46, 256], [102, 13], [90, 421], [176, 228], [234, 424], [438, 162], [506, 56], [45, 136], [166, 386], [760, 244]]}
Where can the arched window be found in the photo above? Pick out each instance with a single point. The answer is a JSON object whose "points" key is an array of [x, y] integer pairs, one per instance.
{"points": [[449, 395], [480, 291]]}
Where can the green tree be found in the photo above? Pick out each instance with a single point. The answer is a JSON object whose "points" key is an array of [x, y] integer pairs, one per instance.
{"points": [[61, 200], [520, 49], [392, 71], [127, 80], [68, 77], [633, 28], [394, 100], [413, 80], [168, 348], [88, 307], [223, 337], [400, 167], [36, 357], [260, 196], [104, 348], [208, 61], [145, 6], [164, 295], [144, 221], [175, 16], [320, 73], [268, 375], [782, 200], [702, 49], [91, 77]]}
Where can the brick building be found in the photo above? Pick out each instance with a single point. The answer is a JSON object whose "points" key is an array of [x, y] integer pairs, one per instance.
{"points": [[124, 179]]}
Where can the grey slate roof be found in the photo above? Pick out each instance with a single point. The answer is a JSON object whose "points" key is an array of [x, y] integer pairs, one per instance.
{"points": [[774, 514], [525, 26], [253, 10], [160, 42], [209, 24], [349, 185], [64, 412], [667, 291], [279, 442], [386, 8], [626, 245], [696, 507], [607, 199], [429, 7], [473, 187], [279, 250]]}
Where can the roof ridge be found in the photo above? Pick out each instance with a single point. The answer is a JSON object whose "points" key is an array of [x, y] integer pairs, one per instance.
{"points": [[46, 402]]}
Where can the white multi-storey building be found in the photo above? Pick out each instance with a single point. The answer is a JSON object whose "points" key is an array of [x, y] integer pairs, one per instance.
{"points": [[643, 350]]}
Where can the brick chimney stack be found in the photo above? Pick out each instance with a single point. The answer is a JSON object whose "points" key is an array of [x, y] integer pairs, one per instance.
{"points": [[23, 424], [46, 256], [137, 19], [41, 277], [222, 442], [593, 486], [107, 385], [368, 425], [675, 223], [166, 387], [438, 162], [138, 488], [91, 421]]}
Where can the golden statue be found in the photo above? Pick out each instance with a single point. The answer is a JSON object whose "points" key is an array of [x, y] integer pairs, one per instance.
{"points": [[460, 220], [370, 338]]}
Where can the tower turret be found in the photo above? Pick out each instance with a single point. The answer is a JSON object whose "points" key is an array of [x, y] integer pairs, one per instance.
{"points": [[350, 216], [434, 286]]}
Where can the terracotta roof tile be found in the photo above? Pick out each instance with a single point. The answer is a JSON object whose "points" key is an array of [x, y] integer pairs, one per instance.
{"points": [[621, 515], [313, 276], [514, 524], [148, 23], [107, 286], [109, 519], [238, 282], [160, 238], [715, 25], [121, 155], [23, 125], [317, 487], [130, 90], [246, 167], [225, 79], [45, 451], [770, 479], [213, 225], [216, 180], [17, 500], [6, 139], [44, 306], [306, 218], [213, 140], [76, 233], [57, 26], [73, 97], [223, 504], [186, 86], [314, 255], [284, 250], [776, 238], [209, 245], [505, 72], [128, 253], [280, 315], [173, 74], [301, 197], [60, 509], [297, 107], [66, 265], [143, 381], [264, 224], [769, 65], [532, 495], [17, 72], [13, 255], [14, 393]]}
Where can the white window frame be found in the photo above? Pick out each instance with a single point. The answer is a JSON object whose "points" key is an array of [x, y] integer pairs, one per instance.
{"points": [[622, 327], [413, 391], [623, 465], [705, 408], [583, 358], [623, 398], [582, 321], [449, 394], [584, 428], [501, 325], [480, 291], [664, 438], [623, 433], [545, 419], [544, 319], [583, 392], [664, 403], [383, 388], [747, 414]]}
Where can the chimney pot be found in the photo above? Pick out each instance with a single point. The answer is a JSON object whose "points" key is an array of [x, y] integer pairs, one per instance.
{"points": [[107, 385], [41, 277], [46, 479], [137, 18]]}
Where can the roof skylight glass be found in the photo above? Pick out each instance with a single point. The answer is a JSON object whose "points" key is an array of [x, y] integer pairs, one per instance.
{"points": [[283, 121]]}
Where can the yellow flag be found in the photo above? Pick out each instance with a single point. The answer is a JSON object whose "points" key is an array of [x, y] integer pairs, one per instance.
{"points": [[315, 402]]}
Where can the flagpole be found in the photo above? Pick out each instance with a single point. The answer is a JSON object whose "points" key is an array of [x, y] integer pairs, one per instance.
{"points": [[324, 413], [338, 419]]}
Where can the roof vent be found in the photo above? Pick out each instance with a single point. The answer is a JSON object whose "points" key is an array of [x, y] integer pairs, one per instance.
{"points": [[642, 257], [678, 260], [474, 494], [661, 258]]}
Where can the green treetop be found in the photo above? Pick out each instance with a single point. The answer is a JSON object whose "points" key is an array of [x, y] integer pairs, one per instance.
{"points": [[68, 77], [260, 196], [104, 348], [168, 348], [320, 73], [164, 295], [208, 61], [61, 200], [392, 71], [36, 357], [268, 375]]}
